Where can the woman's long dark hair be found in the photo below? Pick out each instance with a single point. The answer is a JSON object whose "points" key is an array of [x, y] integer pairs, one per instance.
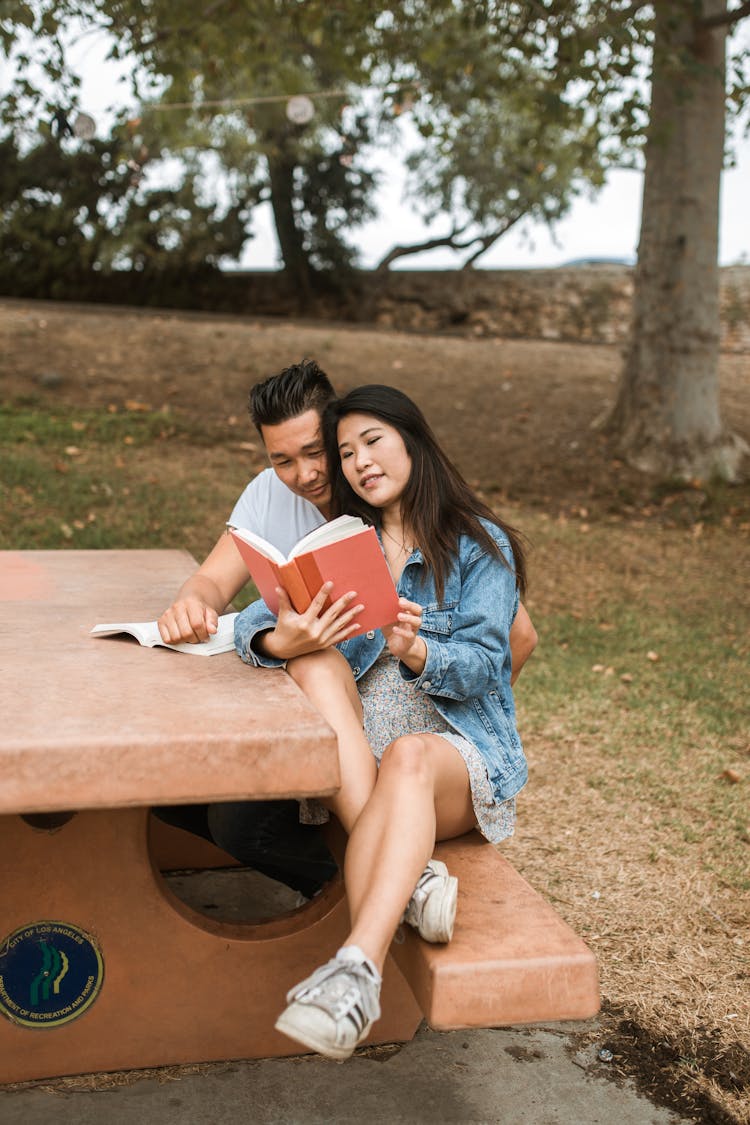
{"points": [[437, 504]]}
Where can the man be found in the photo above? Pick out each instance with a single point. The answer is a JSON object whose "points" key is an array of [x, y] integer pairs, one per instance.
{"points": [[281, 504]]}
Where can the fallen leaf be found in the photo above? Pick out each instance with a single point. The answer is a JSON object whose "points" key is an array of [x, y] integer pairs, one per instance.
{"points": [[66, 530], [72, 451], [626, 678], [135, 405], [731, 776], [653, 656]]}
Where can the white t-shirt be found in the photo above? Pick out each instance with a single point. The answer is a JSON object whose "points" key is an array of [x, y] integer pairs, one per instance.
{"points": [[272, 510]]}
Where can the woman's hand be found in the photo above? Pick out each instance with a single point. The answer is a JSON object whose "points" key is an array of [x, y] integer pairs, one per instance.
{"points": [[297, 634], [403, 640]]}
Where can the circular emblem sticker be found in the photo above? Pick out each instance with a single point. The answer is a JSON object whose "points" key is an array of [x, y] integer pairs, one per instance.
{"points": [[50, 973]]}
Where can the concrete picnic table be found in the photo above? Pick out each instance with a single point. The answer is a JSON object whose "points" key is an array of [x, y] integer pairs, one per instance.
{"points": [[101, 966]]}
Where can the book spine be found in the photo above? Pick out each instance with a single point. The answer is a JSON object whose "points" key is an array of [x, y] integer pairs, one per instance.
{"points": [[311, 577], [294, 584]]}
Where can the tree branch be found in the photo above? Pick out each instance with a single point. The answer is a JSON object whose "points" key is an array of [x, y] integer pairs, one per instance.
{"points": [[490, 240], [723, 19], [420, 247]]}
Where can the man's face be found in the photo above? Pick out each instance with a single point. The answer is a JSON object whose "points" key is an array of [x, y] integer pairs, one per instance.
{"points": [[295, 450]]}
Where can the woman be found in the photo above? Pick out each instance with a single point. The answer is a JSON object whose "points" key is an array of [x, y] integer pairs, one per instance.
{"points": [[435, 692]]}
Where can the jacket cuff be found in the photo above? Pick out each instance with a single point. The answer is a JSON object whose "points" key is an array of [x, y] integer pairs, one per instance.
{"points": [[431, 676], [249, 626]]}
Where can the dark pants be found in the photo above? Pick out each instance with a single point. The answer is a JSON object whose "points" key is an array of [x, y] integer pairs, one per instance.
{"points": [[264, 835]]}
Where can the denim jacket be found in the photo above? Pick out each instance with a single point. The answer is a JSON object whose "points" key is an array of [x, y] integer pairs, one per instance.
{"points": [[468, 666]]}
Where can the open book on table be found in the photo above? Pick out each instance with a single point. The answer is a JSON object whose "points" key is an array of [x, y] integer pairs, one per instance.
{"points": [[147, 634], [345, 551]]}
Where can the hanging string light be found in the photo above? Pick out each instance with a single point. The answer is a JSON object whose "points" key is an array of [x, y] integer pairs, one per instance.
{"points": [[300, 108], [84, 126]]}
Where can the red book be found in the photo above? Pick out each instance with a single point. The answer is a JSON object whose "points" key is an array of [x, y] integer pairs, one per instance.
{"points": [[345, 551]]}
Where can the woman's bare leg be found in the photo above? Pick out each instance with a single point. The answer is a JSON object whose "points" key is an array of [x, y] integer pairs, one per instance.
{"points": [[327, 681], [422, 795], [392, 816]]}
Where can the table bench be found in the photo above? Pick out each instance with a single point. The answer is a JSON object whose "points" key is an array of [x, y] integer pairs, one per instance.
{"points": [[512, 960], [101, 966]]}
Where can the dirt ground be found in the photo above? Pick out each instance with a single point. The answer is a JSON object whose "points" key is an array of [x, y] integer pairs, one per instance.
{"points": [[519, 417]]}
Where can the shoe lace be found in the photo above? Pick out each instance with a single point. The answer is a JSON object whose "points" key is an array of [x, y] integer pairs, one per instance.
{"points": [[338, 987]]}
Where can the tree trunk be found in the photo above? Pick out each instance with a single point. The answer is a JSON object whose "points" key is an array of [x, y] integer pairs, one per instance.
{"points": [[281, 167], [667, 419]]}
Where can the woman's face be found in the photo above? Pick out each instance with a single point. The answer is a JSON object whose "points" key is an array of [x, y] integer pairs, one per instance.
{"points": [[374, 459]]}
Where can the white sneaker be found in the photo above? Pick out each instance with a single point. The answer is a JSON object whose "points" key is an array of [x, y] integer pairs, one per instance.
{"points": [[432, 908], [332, 1011]]}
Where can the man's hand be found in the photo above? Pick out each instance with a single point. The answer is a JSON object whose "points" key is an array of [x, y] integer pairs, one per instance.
{"points": [[297, 634], [402, 639], [523, 638], [194, 614], [188, 619]]}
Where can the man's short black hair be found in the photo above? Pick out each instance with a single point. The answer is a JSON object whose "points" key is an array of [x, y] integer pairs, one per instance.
{"points": [[294, 391]]}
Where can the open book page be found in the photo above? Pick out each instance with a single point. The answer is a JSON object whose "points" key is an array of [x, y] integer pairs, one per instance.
{"points": [[331, 532], [147, 634], [261, 545]]}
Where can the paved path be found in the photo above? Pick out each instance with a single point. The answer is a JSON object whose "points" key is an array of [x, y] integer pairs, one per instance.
{"points": [[520, 1077]]}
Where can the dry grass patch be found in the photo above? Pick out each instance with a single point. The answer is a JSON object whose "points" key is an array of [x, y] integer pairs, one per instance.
{"points": [[636, 821]]}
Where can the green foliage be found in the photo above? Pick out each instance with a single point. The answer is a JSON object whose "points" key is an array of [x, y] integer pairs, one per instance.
{"points": [[51, 228], [318, 176], [260, 56], [335, 198], [70, 209], [491, 165], [518, 107]]}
